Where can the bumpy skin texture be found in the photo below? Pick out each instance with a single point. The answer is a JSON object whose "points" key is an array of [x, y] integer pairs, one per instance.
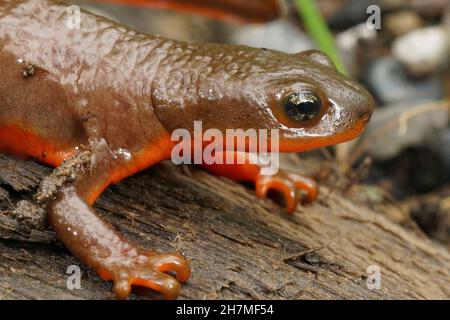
{"points": [[120, 94]]}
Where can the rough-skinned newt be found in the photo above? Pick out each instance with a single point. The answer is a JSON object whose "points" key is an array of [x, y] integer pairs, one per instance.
{"points": [[119, 94]]}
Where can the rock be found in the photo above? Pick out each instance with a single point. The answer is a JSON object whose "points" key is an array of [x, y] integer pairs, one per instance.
{"points": [[400, 23], [423, 51], [429, 9], [405, 126], [389, 83]]}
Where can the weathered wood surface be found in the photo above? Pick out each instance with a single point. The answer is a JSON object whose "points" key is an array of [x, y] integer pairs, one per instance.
{"points": [[239, 246]]}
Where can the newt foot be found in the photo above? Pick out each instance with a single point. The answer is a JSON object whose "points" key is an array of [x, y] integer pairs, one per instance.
{"points": [[291, 186], [149, 269]]}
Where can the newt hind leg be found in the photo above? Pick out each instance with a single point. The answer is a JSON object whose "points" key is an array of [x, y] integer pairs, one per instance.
{"points": [[94, 241], [291, 186]]}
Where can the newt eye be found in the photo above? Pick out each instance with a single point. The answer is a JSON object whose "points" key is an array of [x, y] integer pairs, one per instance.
{"points": [[302, 106]]}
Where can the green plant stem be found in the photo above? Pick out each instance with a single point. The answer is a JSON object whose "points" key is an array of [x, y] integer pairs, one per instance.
{"points": [[319, 31]]}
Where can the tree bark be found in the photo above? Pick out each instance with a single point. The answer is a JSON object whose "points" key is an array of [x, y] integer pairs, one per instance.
{"points": [[239, 246]]}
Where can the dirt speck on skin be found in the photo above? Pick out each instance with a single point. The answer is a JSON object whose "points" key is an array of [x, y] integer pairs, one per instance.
{"points": [[30, 215], [62, 175], [29, 70]]}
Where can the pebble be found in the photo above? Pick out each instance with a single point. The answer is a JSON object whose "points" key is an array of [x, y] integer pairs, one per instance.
{"points": [[405, 126], [423, 51], [400, 23], [390, 84], [430, 9]]}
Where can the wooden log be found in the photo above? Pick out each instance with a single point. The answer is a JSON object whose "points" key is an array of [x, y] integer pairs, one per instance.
{"points": [[239, 246]]}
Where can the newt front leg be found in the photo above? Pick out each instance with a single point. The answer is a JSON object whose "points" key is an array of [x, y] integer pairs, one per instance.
{"points": [[291, 186], [97, 244]]}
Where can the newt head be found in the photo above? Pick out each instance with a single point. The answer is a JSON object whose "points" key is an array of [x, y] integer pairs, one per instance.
{"points": [[316, 105], [303, 95]]}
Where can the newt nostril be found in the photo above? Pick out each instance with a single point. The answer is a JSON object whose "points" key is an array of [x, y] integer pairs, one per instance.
{"points": [[364, 104], [366, 109], [366, 116]]}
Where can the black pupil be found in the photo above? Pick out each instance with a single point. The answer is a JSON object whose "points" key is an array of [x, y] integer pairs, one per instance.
{"points": [[302, 106]]}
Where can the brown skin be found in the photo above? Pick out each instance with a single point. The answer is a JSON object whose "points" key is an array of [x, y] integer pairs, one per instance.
{"points": [[121, 94]]}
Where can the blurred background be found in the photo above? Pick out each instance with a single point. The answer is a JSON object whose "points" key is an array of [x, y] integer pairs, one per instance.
{"points": [[401, 166]]}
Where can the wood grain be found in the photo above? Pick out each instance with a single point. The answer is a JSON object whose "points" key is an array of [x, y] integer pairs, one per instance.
{"points": [[239, 247]]}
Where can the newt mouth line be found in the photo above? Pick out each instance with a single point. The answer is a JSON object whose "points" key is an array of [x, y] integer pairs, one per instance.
{"points": [[210, 147]]}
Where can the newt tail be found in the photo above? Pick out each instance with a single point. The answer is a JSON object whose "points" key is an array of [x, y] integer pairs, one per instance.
{"points": [[253, 11]]}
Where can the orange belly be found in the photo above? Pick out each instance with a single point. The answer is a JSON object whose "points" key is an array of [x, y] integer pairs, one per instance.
{"points": [[22, 143]]}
